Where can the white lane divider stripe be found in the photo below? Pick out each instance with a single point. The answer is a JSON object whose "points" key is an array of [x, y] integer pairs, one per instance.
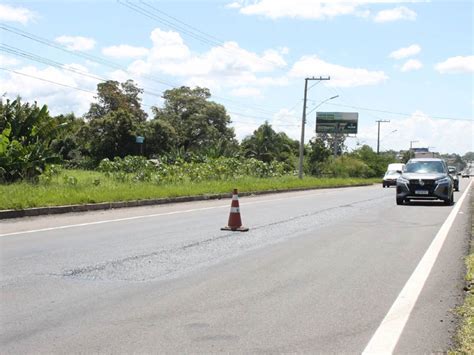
{"points": [[388, 333], [318, 192]]}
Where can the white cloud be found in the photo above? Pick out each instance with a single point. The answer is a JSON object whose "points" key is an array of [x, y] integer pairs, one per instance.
{"points": [[456, 65], [246, 92], [76, 43], [411, 64], [340, 76], [16, 14], [443, 136], [225, 66], [125, 51], [7, 61], [289, 122], [304, 9], [234, 5], [320, 9], [406, 52], [396, 14], [58, 98], [167, 45]]}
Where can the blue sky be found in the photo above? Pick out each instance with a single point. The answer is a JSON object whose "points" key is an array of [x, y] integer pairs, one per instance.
{"points": [[410, 62]]}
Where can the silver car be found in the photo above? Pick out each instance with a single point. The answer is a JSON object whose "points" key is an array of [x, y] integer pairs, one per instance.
{"points": [[425, 179]]}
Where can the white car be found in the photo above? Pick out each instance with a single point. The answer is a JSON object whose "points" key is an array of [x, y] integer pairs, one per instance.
{"points": [[390, 178]]}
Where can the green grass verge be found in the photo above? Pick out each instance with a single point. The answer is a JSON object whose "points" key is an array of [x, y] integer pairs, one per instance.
{"points": [[88, 190], [465, 335]]}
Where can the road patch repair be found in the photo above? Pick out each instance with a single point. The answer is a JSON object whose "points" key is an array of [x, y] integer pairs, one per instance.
{"points": [[389, 331]]}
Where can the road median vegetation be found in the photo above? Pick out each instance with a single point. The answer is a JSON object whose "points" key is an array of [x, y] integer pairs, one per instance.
{"points": [[69, 187]]}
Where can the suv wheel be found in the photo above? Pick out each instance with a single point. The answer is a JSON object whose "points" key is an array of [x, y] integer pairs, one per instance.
{"points": [[399, 201], [449, 201]]}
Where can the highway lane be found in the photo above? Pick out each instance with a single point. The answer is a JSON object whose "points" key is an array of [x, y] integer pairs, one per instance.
{"points": [[318, 271]]}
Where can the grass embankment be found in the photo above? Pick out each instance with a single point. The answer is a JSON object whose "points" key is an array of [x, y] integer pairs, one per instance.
{"points": [[465, 336], [92, 187]]}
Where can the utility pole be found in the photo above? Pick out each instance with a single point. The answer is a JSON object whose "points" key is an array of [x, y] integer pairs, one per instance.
{"points": [[336, 131], [378, 133], [411, 144], [303, 122]]}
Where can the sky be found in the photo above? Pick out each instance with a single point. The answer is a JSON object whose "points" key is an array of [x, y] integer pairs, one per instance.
{"points": [[407, 62]]}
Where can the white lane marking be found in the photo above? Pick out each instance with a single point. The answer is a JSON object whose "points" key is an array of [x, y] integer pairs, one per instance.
{"points": [[318, 192], [388, 333]]}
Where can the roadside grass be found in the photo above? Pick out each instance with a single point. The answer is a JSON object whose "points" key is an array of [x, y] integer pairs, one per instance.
{"points": [[465, 335], [79, 187]]}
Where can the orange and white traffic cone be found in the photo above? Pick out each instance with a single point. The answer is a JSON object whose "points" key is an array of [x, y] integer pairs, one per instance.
{"points": [[235, 223]]}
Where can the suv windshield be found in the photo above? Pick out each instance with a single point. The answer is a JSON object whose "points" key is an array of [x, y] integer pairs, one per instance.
{"points": [[425, 167]]}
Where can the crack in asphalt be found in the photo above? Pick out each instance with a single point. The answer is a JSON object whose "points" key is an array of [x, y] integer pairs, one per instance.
{"points": [[174, 259]]}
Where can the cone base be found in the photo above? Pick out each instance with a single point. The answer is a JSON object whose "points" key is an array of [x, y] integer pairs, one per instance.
{"points": [[235, 229]]}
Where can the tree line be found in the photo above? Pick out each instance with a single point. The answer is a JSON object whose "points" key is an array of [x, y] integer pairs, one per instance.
{"points": [[188, 126]]}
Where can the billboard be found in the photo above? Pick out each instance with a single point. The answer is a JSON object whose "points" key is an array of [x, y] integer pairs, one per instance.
{"points": [[337, 122]]}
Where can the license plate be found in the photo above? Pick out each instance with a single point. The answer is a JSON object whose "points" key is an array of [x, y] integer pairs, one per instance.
{"points": [[421, 192]]}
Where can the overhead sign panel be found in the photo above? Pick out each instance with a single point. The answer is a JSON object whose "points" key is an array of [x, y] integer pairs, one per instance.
{"points": [[337, 122]]}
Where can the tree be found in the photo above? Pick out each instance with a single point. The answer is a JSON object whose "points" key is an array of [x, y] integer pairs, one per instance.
{"points": [[267, 145], [26, 132], [319, 152], [67, 143], [468, 157], [113, 121], [197, 122], [112, 135], [376, 162], [160, 137], [113, 96], [331, 139], [407, 155]]}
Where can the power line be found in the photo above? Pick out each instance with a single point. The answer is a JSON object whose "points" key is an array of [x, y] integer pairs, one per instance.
{"points": [[184, 23], [83, 55], [105, 62], [193, 32], [144, 12], [260, 117], [46, 80], [33, 57], [400, 113]]}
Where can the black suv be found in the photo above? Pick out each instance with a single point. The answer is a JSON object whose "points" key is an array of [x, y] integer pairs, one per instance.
{"points": [[425, 179]]}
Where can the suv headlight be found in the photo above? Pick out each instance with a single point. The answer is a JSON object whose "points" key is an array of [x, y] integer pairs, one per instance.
{"points": [[443, 181], [402, 180]]}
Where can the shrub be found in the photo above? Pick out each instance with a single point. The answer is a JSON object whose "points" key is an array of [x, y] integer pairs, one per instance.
{"points": [[347, 167], [136, 169]]}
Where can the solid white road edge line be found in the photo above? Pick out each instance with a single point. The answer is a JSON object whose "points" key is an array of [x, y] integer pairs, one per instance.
{"points": [[155, 215], [388, 333]]}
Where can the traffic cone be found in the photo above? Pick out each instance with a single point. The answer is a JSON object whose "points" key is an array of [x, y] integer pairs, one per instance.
{"points": [[235, 223]]}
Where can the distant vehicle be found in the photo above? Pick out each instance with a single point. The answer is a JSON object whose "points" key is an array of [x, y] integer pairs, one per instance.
{"points": [[392, 174], [425, 179], [454, 174], [465, 173]]}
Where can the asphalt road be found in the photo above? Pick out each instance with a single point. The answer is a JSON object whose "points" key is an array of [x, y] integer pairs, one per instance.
{"points": [[317, 272]]}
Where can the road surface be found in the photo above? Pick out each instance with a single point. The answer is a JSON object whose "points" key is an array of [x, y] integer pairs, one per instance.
{"points": [[319, 271]]}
